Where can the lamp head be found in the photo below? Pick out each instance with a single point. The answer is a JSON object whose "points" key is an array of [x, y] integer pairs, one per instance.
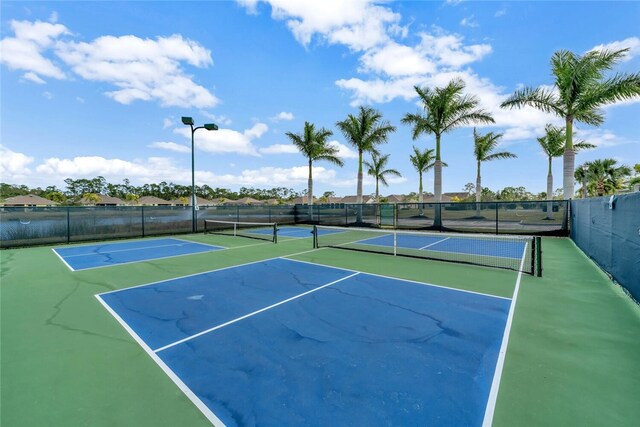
{"points": [[187, 121], [211, 126]]}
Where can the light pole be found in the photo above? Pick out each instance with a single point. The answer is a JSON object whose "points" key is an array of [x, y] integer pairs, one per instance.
{"points": [[585, 168], [208, 126]]}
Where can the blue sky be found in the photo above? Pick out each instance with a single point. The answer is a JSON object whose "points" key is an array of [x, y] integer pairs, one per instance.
{"points": [[98, 88]]}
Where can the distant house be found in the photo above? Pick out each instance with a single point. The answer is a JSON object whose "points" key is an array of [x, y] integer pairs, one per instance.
{"points": [[395, 198], [304, 200], [152, 201], [28, 200], [103, 201], [458, 194], [354, 199], [245, 201], [200, 201], [272, 202], [432, 198]]}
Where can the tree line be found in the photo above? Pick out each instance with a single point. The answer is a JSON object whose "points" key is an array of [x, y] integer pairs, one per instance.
{"points": [[76, 189]]}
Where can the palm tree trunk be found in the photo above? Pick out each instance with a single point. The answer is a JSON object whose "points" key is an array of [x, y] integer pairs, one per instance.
{"points": [[437, 174], [478, 191], [568, 162], [310, 190], [377, 194], [437, 185], [359, 190], [549, 191], [420, 196]]}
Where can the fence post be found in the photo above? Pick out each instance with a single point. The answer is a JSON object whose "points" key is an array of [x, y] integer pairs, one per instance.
{"points": [[437, 223], [68, 226], [142, 215], [269, 214], [496, 217], [346, 215], [237, 213]]}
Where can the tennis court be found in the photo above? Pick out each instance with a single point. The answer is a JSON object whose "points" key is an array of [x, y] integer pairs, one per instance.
{"points": [[302, 332], [285, 341], [108, 254]]}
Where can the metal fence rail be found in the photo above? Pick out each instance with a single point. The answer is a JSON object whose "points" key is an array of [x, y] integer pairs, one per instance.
{"points": [[29, 226], [523, 217]]}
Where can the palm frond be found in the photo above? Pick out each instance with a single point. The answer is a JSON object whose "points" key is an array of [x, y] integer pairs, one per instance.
{"points": [[500, 155], [539, 98]]}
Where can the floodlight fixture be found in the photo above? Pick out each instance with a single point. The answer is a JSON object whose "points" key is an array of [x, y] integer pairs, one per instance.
{"points": [[209, 126]]}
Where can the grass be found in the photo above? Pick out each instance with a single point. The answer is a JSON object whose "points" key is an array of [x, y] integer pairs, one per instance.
{"points": [[572, 357]]}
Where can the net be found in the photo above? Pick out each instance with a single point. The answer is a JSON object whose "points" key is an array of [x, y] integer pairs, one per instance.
{"points": [[519, 253], [252, 230]]}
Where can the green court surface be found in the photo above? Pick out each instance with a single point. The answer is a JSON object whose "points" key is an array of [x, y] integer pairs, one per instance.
{"points": [[572, 357]]}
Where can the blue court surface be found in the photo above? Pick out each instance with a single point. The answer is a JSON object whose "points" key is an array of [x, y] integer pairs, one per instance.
{"points": [[104, 255], [283, 342], [294, 232], [466, 245]]}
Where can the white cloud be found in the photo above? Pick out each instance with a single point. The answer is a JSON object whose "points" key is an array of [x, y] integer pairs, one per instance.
{"points": [[13, 166], [380, 90], [469, 21], [25, 50], [601, 138], [359, 25], [500, 12], [449, 50], [632, 43], [80, 99], [139, 69], [227, 140], [217, 119], [280, 149], [47, 95], [344, 152], [395, 59], [157, 169], [167, 123], [171, 146], [142, 69], [33, 77], [283, 116]]}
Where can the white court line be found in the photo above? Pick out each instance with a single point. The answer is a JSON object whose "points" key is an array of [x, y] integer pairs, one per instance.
{"points": [[142, 248], [435, 243], [197, 243], [252, 314], [148, 259], [62, 259], [177, 381], [396, 278], [430, 250], [206, 272], [495, 384]]}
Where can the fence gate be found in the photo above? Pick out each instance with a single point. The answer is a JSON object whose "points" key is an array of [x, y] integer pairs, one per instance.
{"points": [[387, 215]]}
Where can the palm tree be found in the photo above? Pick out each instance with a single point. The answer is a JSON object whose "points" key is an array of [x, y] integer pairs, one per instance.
{"points": [[376, 169], [483, 147], [445, 108], [603, 175], [364, 132], [422, 161], [313, 145], [552, 144], [579, 91]]}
